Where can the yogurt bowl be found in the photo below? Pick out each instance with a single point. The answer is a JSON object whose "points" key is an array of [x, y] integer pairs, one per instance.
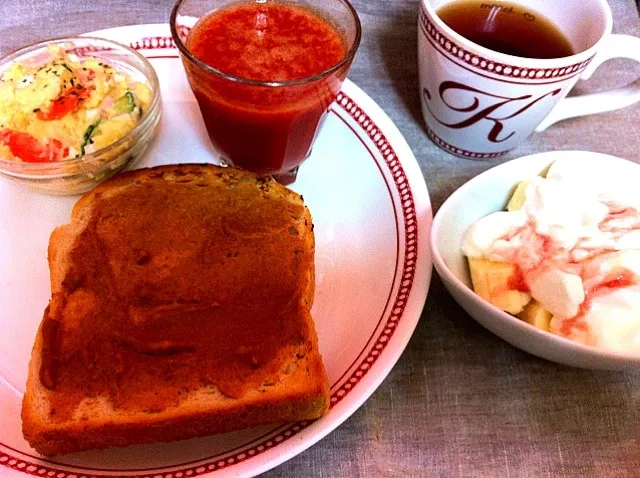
{"points": [[488, 193]]}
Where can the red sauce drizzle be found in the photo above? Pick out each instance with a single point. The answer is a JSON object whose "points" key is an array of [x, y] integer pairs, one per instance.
{"points": [[517, 281], [616, 214], [623, 278], [547, 249], [574, 323]]}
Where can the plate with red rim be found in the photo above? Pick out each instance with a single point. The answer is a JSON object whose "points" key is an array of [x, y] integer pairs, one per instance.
{"points": [[372, 218]]}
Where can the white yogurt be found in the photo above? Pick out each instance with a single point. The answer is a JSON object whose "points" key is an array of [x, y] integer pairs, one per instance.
{"points": [[576, 240]]}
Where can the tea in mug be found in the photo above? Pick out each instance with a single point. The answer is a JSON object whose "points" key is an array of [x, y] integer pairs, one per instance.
{"points": [[506, 27]]}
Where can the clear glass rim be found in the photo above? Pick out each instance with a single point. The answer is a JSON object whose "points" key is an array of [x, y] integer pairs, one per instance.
{"points": [[272, 84], [136, 131]]}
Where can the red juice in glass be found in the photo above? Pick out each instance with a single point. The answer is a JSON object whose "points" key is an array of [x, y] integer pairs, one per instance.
{"points": [[264, 74]]}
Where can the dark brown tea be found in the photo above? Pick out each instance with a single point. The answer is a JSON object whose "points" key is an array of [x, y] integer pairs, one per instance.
{"points": [[507, 28]]}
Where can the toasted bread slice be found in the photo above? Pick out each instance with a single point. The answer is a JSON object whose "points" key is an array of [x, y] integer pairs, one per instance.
{"points": [[180, 307]]}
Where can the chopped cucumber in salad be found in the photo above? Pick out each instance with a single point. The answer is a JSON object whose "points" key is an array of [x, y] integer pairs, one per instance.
{"points": [[86, 139], [127, 104]]}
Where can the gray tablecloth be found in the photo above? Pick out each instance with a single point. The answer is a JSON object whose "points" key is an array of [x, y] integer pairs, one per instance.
{"points": [[460, 402]]}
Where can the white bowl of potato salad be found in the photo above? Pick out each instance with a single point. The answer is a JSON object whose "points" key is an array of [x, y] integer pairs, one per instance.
{"points": [[544, 251], [74, 111]]}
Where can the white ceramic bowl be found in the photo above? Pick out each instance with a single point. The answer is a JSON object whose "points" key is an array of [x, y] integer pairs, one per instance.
{"points": [[487, 193]]}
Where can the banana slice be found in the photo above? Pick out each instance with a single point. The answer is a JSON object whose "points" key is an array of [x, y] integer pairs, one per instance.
{"points": [[518, 197], [491, 282], [535, 314]]}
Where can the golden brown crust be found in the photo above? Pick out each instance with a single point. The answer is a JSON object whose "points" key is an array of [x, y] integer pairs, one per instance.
{"points": [[300, 392], [303, 396]]}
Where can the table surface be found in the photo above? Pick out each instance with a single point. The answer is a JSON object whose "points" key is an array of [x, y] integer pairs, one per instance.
{"points": [[460, 401]]}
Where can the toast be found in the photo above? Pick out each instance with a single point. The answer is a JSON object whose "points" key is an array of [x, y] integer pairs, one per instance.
{"points": [[180, 307]]}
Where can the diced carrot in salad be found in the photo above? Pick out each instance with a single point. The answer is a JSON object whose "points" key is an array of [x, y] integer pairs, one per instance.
{"points": [[68, 102], [30, 149]]}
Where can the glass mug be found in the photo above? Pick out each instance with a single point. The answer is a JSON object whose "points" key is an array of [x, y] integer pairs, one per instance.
{"points": [[480, 103], [261, 125]]}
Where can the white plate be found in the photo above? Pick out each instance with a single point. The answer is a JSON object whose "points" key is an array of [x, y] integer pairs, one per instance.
{"points": [[372, 215]]}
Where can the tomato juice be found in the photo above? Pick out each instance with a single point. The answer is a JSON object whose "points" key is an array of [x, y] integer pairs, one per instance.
{"points": [[272, 70]]}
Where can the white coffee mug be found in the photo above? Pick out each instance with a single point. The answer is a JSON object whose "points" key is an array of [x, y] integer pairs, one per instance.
{"points": [[479, 103]]}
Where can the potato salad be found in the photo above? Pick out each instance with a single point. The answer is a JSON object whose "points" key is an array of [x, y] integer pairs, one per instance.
{"points": [[58, 106]]}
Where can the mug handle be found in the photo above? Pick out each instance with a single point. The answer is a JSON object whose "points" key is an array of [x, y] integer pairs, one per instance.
{"points": [[615, 46]]}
